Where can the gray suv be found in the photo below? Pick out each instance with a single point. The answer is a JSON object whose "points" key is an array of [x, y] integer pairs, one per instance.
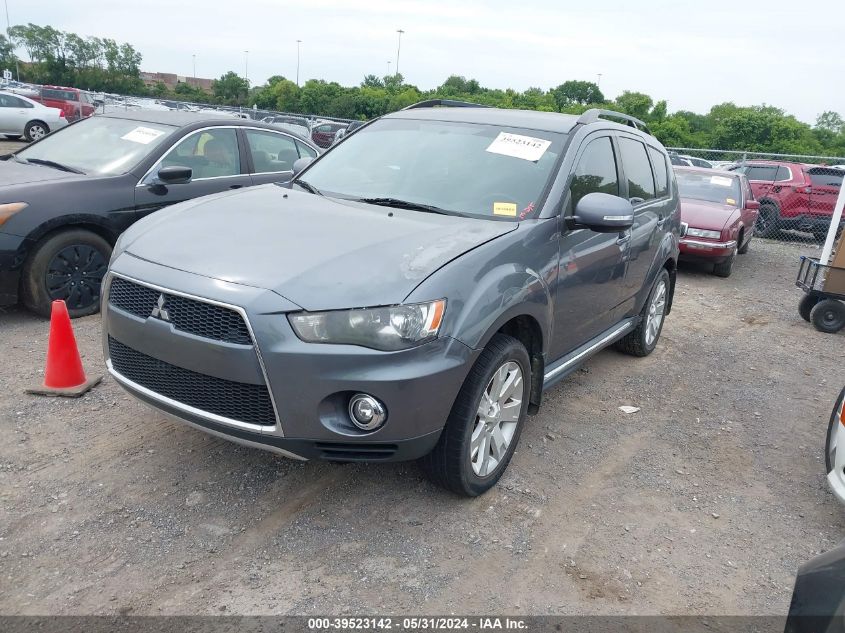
{"points": [[410, 294]]}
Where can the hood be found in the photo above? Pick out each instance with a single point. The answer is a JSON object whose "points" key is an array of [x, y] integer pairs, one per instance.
{"points": [[318, 252], [15, 173], [702, 214]]}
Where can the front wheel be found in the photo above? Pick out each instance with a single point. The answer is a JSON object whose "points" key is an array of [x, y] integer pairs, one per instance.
{"points": [[35, 130], [643, 339], [725, 268], [486, 420], [828, 316], [68, 265]]}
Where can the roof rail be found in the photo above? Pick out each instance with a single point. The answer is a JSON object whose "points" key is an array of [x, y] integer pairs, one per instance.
{"points": [[594, 114], [444, 103]]}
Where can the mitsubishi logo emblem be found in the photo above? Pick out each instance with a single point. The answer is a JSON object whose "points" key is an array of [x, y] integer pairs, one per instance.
{"points": [[159, 311]]}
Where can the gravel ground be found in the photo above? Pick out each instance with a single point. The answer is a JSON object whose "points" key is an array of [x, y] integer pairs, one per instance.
{"points": [[704, 502]]}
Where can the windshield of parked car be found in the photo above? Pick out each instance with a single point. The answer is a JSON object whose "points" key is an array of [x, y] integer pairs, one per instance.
{"points": [[711, 187], [478, 170], [99, 145]]}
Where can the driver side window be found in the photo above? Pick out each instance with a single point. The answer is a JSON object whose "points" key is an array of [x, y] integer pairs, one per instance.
{"points": [[595, 171], [210, 153]]}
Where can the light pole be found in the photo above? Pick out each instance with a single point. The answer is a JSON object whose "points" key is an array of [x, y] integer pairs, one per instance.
{"points": [[8, 27], [598, 83], [194, 60], [388, 68], [246, 68], [398, 49], [298, 42]]}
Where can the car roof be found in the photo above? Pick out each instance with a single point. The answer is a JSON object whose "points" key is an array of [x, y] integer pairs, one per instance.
{"points": [[529, 119], [707, 171]]}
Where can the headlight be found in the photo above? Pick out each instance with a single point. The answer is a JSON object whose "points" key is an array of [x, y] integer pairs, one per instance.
{"points": [[713, 235], [387, 329], [10, 209]]}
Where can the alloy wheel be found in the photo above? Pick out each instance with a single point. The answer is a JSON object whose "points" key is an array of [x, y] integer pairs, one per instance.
{"points": [[37, 132], [497, 419], [75, 274], [656, 310]]}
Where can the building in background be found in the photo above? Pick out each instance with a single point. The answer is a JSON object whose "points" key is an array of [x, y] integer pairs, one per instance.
{"points": [[171, 80]]}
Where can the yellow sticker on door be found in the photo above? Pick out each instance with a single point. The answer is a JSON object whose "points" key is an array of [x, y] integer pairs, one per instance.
{"points": [[504, 208]]}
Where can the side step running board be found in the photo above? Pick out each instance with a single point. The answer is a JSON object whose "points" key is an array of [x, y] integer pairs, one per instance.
{"points": [[569, 363]]}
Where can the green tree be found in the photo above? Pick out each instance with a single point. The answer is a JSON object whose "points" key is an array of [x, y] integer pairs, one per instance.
{"points": [[576, 92], [831, 121], [636, 104], [231, 88]]}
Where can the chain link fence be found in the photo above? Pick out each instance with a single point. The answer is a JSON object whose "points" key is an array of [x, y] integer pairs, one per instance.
{"points": [[797, 193]]}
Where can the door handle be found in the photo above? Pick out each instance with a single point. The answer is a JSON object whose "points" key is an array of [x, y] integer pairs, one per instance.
{"points": [[623, 238], [636, 200], [660, 221], [235, 186]]}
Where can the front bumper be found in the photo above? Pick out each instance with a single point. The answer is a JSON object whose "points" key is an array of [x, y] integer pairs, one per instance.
{"points": [[703, 249], [309, 384]]}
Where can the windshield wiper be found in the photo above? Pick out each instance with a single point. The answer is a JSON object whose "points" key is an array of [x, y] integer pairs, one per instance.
{"points": [[307, 186], [54, 165], [406, 204]]}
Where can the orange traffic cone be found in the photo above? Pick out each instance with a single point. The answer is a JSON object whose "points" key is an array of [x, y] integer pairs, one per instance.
{"points": [[63, 375]]}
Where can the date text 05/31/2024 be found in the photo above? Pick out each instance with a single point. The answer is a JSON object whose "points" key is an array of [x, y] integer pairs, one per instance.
{"points": [[416, 624]]}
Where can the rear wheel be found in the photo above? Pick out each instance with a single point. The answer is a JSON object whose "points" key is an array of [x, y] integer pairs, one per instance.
{"points": [[642, 340], [486, 420], [69, 265], [35, 130], [806, 304], [828, 315]]}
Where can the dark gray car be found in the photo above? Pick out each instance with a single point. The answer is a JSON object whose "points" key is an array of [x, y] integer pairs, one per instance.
{"points": [[410, 295]]}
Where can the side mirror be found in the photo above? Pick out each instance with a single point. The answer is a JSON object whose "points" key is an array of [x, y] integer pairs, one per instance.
{"points": [[604, 213], [300, 164], [175, 175], [752, 205]]}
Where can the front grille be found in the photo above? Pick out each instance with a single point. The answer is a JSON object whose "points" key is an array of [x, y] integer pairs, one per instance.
{"points": [[234, 400], [188, 315]]}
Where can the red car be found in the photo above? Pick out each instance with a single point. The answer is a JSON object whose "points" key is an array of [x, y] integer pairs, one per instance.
{"points": [[73, 102], [323, 135], [718, 211], [793, 195]]}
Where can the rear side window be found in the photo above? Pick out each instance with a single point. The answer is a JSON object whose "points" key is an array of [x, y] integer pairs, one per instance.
{"points": [[637, 169], [64, 95], [767, 173], [826, 177], [596, 171], [305, 151], [661, 175]]}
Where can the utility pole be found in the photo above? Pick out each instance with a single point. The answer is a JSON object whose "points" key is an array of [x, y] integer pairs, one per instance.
{"points": [[398, 49], [388, 68], [194, 59], [298, 42], [598, 83], [246, 68]]}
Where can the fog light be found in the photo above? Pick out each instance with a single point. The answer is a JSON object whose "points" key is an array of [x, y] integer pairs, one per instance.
{"points": [[366, 412]]}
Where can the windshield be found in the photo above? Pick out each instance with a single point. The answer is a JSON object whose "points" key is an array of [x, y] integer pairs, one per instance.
{"points": [[722, 189], [464, 168], [100, 145]]}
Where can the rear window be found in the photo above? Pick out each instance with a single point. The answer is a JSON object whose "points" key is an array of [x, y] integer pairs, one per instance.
{"points": [[64, 95], [826, 177]]}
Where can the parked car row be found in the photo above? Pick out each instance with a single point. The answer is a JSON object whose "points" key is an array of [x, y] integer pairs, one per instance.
{"points": [[24, 117]]}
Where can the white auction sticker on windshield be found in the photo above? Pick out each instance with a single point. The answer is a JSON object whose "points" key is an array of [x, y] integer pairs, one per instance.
{"points": [[518, 146], [722, 181], [143, 135]]}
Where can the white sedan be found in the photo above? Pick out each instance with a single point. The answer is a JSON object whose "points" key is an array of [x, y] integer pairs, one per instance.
{"points": [[835, 449], [20, 116]]}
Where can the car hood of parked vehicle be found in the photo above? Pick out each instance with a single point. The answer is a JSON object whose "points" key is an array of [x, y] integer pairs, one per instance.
{"points": [[703, 214], [15, 173], [320, 253]]}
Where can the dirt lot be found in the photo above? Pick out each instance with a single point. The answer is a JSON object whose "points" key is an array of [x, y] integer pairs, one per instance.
{"points": [[704, 502]]}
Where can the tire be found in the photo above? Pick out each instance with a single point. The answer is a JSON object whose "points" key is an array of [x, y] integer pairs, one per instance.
{"points": [[643, 339], [828, 315], [806, 305], [35, 130], [67, 265], [744, 248], [725, 268], [451, 464], [831, 427], [768, 221]]}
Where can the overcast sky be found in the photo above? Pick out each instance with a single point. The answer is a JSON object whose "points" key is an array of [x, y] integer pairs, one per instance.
{"points": [[693, 54]]}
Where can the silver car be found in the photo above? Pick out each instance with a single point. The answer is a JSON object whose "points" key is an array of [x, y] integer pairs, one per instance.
{"points": [[20, 116], [410, 294]]}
